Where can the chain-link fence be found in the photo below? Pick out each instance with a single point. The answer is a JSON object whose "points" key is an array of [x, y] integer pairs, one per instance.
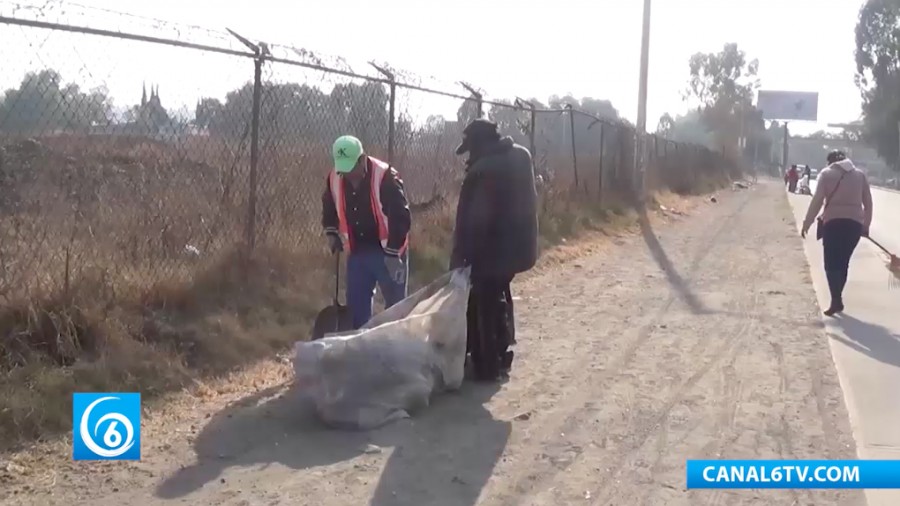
{"points": [[133, 195]]}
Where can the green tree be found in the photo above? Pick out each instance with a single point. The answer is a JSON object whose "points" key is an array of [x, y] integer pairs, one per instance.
{"points": [[206, 111], [299, 111], [666, 125], [689, 128], [361, 110], [878, 75], [43, 103], [467, 112], [511, 121], [724, 84]]}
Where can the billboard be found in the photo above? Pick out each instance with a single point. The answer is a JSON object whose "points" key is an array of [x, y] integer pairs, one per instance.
{"points": [[788, 105]]}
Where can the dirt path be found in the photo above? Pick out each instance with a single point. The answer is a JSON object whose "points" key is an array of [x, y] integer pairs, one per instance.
{"points": [[698, 340]]}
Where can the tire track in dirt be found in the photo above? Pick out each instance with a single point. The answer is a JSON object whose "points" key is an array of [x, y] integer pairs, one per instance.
{"points": [[567, 420], [786, 441], [583, 359], [731, 392]]}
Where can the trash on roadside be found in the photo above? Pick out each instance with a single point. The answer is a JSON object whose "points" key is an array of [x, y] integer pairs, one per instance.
{"points": [[389, 368]]}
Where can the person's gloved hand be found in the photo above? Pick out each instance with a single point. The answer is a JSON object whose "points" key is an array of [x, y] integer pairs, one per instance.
{"points": [[335, 244], [396, 268]]}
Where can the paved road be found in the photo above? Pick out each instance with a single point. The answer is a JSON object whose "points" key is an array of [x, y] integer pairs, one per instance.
{"points": [[886, 220], [865, 340]]}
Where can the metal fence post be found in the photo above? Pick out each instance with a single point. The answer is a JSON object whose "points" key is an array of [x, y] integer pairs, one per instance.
{"points": [[602, 149], [532, 123], [260, 51], [600, 176], [254, 155], [391, 109], [533, 127], [572, 136], [479, 97]]}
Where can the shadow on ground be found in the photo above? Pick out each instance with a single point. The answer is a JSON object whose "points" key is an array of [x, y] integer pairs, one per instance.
{"points": [[872, 340], [456, 441], [676, 281]]}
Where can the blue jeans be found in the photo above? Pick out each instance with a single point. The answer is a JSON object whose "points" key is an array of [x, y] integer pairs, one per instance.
{"points": [[365, 269]]}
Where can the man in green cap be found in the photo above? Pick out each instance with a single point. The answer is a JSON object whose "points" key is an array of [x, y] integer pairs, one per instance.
{"points": [[364, 207]]}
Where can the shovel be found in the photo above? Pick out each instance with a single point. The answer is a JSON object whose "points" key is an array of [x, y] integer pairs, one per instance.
{"points": [[334, 318]]}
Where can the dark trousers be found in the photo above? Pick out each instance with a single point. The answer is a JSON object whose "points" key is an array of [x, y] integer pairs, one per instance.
{"points": [[491, 325], [839, 239]]}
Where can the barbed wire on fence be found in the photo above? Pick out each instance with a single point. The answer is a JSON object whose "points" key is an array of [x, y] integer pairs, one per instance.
{"points": [[134, 196]]}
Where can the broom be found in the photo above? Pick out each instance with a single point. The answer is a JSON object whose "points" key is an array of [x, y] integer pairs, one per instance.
{"points": [[893, 265]]}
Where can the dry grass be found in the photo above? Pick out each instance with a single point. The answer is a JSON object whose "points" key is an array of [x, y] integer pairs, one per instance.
{"points": [[103, 298]]}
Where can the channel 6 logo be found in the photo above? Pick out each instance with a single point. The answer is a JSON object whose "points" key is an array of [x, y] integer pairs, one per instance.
{"points": [[106, 426]]}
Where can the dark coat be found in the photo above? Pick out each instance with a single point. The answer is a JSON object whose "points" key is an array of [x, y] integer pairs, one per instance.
{"points": [[496, 217]]}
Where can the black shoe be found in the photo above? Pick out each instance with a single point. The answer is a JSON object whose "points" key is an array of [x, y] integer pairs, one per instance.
{"points": [[834, 309]]}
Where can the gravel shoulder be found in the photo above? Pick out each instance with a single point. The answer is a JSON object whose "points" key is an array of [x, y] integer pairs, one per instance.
{"points": [[700, 338]]}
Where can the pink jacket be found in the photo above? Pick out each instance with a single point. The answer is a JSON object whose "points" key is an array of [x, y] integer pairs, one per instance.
{"points": [[851, 200]]}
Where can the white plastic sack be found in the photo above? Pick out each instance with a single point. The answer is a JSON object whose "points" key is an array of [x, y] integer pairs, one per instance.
{"points": [[390, 368]]}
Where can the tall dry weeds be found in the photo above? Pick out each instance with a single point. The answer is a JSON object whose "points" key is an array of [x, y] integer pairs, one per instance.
{"points": [[123, 265]]}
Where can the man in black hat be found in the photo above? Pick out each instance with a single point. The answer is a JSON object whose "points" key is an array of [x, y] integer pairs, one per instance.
{"points": [[496, 235]]}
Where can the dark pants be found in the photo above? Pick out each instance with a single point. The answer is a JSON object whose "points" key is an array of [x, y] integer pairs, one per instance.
{"points": [[792, 185], [491, 326], [839, 239]]}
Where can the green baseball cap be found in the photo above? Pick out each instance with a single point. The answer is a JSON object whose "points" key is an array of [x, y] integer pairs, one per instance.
{"points": [[346, 152]]}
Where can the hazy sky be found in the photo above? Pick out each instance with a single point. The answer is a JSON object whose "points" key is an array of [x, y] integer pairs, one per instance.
{"points": [[507, 48]]}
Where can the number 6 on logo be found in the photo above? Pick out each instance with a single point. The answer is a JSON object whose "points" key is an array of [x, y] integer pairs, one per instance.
{"points": [[106, 426]]}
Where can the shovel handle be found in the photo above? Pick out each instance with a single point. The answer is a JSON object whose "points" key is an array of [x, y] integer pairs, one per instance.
{"points": [[337, 276]]}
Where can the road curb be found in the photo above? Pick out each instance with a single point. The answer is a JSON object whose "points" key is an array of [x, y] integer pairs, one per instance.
{"points": [[885, 188]]}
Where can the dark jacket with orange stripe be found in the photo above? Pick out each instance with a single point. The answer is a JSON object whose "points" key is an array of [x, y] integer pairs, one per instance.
{"points": [[385, 204]]}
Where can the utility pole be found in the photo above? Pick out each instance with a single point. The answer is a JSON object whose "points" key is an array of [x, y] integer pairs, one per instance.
{"points": [[784, 148], [755, 152], [639, 165]]}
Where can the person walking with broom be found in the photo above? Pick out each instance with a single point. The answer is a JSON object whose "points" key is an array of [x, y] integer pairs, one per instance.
{"points": [[844, 190], [364, 208]]}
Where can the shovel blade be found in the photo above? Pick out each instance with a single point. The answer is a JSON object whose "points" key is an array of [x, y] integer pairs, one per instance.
{"points": [[334, 318]]}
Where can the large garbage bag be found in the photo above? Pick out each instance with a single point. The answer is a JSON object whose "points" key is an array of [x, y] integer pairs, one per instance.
{"points": [[393, 365]]}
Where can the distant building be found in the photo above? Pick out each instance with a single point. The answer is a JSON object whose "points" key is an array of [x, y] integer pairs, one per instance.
{"points": [[149, 119]]}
